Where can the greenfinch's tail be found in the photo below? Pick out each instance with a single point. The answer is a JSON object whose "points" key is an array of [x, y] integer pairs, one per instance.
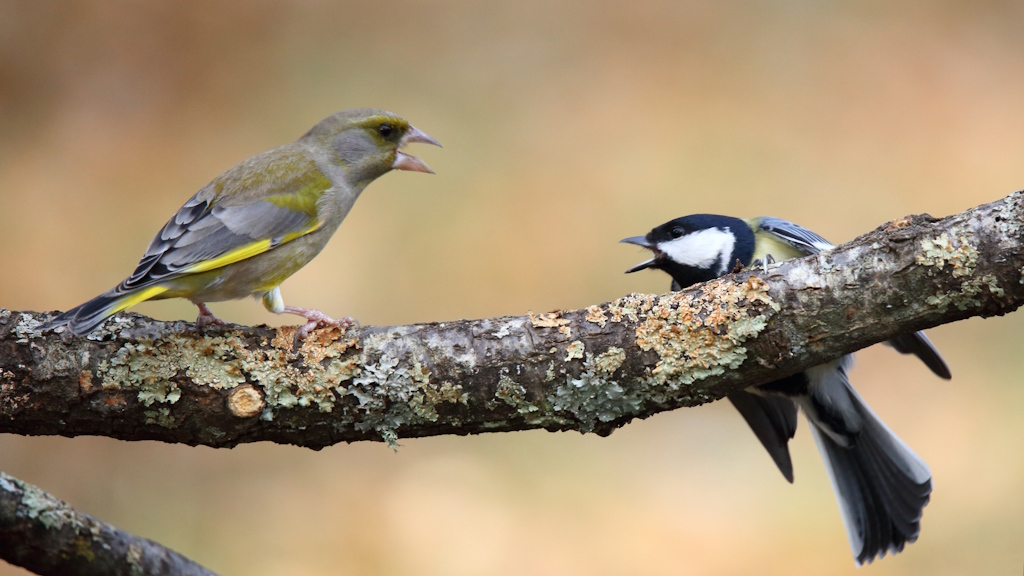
{"points": [[86, 317]]}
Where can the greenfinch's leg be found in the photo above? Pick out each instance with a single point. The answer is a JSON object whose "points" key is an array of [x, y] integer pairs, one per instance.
{"points": [[206, 317], [273, 301]]}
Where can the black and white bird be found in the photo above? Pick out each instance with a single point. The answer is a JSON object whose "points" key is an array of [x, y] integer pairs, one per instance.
{"points": [[881, 485]]}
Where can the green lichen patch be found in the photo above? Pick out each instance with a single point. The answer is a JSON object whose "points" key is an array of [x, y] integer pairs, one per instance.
{"points": [[941, 253], [43, 508], [143, 367], [152, 368], [968, 296], [594, 396], [27, 327], [160, 417], [149, 367], [392, 394], [960, 257], [311, 382], [574, 351], [700, 337], [513, 394]]}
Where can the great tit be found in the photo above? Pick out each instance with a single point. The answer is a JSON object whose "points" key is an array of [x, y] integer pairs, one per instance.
{"points": [[882, 487]]}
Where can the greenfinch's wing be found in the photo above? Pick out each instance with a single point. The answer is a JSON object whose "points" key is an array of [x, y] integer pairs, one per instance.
{"points": [[214, 229]]}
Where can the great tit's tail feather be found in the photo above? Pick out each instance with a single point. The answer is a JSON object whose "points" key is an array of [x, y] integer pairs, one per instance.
{"points": [[881, 485]]}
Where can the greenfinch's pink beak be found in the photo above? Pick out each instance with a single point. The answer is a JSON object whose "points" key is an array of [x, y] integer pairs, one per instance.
{"points": [[409, 162]]}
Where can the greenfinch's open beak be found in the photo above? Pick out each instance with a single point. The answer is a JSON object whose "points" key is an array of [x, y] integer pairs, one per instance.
{"points": [[409, 162], [643, 242]]}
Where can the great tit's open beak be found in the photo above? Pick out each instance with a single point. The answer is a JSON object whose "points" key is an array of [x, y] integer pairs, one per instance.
{"points": [[409, 162], [640, 241]]}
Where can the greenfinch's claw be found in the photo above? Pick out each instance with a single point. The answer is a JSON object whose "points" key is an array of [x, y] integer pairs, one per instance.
{"points": [[317, 319], [206, 317]]}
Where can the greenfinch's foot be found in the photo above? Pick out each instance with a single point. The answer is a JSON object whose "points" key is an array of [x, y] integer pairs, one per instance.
{"points": [[317, 319], [206, 317]]}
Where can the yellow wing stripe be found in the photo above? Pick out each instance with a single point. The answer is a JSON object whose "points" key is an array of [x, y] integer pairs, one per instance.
{"points": [[244, 252], [236, 255], [134, 299]]}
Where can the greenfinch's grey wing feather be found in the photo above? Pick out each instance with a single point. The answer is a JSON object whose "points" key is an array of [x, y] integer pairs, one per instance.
{"points": [[188, 216], [204, 234]]}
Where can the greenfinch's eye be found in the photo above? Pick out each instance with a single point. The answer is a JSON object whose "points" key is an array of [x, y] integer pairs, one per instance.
{"points": [[385, 130]]}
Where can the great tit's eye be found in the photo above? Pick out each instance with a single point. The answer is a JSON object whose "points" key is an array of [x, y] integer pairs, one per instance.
{"points": [[385, 130], [678, 231]]}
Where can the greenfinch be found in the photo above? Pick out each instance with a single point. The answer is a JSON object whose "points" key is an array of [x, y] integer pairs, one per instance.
{"points": [[255, 225]]}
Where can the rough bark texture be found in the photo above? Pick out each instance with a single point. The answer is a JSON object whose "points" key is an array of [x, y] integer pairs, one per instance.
{"points": [[46, 536], [591, 370]]}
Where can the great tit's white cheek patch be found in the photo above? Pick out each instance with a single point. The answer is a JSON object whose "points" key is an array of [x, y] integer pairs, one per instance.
{"points": [[704, 249]]}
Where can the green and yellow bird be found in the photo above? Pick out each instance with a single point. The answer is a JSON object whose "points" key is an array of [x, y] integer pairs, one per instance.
{"points": [[258, 223]]}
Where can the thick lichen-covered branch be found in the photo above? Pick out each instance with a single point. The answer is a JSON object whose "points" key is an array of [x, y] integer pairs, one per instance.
{"points": [[45, 535], [590, 370]]}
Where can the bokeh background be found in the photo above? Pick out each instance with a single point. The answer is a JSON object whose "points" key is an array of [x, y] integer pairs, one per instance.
{"points": [[567, 126]]}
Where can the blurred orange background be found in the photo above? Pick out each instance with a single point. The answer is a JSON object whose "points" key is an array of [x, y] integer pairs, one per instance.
{"points": [[566, 127]]}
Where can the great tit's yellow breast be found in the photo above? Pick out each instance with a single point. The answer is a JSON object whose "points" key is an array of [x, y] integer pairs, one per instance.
{"points": [[766, 243]]}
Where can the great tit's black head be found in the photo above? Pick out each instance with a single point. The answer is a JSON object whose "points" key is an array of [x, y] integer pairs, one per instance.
{"points": [[696, 248]]}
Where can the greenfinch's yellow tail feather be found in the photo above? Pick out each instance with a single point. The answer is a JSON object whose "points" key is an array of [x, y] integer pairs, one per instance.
{"points": [[85, 318]]}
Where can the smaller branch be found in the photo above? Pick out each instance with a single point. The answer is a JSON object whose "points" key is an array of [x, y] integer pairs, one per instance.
{"points": [[47, 536]]}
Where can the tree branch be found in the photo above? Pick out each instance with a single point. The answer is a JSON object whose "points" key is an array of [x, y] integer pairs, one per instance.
{"points": [[591, 370], [45, 535]]}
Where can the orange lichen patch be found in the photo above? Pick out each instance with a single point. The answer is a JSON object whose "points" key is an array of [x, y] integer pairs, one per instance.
{"points": [[85, 380], [610, 360], [700, 336], [245, 401], [285, 338], [596, 315], [114, 400], [319, 346], [757, 291], [898, 223], [548, 319], [551, 320]]}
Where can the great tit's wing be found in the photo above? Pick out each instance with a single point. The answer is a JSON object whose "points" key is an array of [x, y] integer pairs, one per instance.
{"points": [[777, 237], [773, 421], [919, 345], [233, 219], [783, 239]]}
